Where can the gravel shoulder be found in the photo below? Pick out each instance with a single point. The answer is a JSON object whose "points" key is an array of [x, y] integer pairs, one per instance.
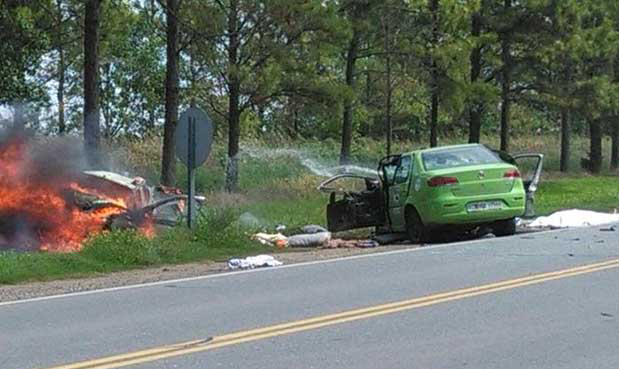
{"points": [[168, 272]]}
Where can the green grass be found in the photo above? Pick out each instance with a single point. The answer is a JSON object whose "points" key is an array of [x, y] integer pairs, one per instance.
{"points": [[591, 193], [275, 188], [122, 250]]}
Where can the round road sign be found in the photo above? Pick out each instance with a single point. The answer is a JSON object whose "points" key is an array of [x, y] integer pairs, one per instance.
{"points": [[194, 137]]}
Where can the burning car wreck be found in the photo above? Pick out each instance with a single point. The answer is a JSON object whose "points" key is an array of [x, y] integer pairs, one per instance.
{"points": [[141, 207], [50, 204], [446, 190]]}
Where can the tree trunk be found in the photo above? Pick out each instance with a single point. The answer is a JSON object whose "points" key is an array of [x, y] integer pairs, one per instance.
{"points": [[168, 162], [434, 10], [595, 155], [61, 72], [506, 85], [434, 118], [368, 98], [477, 107], [91, 82], [19, 116], [295, 120], [351, 60], [614, 157], [234, 88], [564, 165], [389, 125]]}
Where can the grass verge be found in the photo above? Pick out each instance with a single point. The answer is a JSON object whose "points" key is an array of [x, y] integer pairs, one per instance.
{"points": [[590, 193], [214, 239]]}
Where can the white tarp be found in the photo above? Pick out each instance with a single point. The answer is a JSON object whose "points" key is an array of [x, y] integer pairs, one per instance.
{"points": [[252, 262], [574, 218]]}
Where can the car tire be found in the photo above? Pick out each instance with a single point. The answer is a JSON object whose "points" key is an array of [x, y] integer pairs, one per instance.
{"points": [[504, 227], [415, 229]]}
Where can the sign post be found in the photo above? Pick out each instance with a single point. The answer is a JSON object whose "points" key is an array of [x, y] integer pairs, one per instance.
{"points": [[194, 137]]}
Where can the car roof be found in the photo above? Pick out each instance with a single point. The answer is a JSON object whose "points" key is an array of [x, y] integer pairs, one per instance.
{"points": [[440, 148]]}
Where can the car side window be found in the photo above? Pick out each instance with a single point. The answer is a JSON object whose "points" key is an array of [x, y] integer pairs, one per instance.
{"points": [[403, 171]]}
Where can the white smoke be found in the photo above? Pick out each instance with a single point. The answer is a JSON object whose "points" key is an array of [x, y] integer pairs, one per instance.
{"points": [[310, 162]]}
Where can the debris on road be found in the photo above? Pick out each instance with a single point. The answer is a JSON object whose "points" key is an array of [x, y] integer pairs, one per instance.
{"points": [[252, 262], [573, 218], [276, 239], [390, 238], [309, 239], [337, 243], [312, 228]]}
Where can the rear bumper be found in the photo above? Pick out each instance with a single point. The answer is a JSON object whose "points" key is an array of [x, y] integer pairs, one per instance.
{"points": [[453, 210]]}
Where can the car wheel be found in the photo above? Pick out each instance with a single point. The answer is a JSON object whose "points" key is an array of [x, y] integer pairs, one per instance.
{"points": [[504, 227], [414, 227]]}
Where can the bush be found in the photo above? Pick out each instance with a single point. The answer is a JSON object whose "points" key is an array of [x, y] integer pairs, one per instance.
{"points": [[121, 248]]}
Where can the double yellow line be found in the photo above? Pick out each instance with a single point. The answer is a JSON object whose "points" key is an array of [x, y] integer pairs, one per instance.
{"points": [[165, 352]]}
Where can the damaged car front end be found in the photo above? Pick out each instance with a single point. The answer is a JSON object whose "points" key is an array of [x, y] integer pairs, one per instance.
{"points": [[158, 205]]}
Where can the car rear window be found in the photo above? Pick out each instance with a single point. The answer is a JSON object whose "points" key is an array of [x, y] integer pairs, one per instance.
{"points": [[458, 157]]}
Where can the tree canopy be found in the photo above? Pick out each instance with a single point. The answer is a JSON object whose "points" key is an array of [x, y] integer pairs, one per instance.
{"points": [[338, 69]]}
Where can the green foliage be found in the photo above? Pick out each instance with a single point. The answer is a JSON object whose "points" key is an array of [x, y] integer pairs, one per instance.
{"points": [[592, 193], [121, 248], [24, 38]]}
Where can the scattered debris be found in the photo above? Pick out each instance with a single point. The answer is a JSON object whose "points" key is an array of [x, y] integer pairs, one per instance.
{"points": [[309, 240], [390, 238], [312, 228], [252, 262], [574, 218], [337, 243], [270, 239], [312, 236]]}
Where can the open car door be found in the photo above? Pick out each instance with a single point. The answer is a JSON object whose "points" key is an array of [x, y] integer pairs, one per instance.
{"points": [[354, 202], [530, 166]]}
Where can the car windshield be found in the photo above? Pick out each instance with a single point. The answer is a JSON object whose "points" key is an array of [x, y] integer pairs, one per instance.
{"points": [[458, 157]]}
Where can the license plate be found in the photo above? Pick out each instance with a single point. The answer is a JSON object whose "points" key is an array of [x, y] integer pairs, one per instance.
{"points": [[484, 205]]}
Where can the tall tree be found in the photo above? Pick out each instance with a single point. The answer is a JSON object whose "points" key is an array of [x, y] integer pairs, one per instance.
{"points": [[245, 47], [25, 32], [168, 167], [91, 81], [433, 6], [477, 105], [356, 11], [506, 77], [61, 67], [388, 49], [234, 87]]}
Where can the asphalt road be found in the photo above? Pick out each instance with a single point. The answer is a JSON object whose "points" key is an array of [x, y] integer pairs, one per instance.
{"points": [[468, 320]]}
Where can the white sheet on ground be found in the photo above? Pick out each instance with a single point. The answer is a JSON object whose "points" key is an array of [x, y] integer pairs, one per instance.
{"points": [[252, 262], [574, 218]]}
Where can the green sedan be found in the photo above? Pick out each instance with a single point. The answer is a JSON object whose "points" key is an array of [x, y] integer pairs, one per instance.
{"points": [[428, 192]]}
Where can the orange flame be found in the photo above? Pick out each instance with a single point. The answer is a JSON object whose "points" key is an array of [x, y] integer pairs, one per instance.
{"points": [[48, 210]]}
